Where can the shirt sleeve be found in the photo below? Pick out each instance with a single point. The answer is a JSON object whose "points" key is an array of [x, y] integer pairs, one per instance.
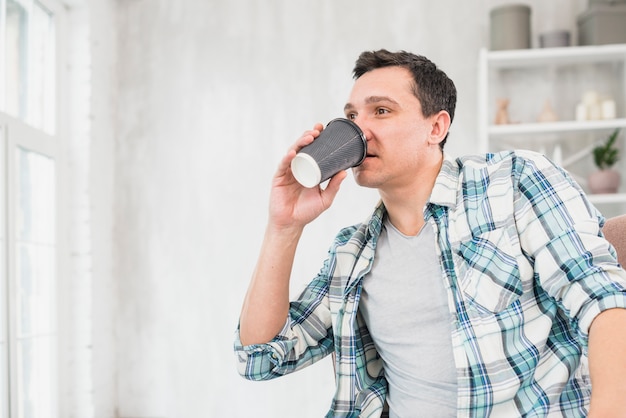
{"points": [[305, 338], [560, 230]]}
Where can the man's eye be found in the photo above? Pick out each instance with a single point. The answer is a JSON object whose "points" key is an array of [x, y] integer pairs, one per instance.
{"points": [[351, 116], [381, 111]]}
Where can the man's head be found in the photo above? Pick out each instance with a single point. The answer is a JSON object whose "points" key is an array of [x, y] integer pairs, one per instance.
{"points": [[432, 87]]}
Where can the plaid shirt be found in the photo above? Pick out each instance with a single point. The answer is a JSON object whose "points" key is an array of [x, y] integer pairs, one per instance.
{"points": [[526, 271]]}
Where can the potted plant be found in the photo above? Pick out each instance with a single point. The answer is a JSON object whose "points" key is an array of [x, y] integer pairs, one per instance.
{"points": [[605, 179]]}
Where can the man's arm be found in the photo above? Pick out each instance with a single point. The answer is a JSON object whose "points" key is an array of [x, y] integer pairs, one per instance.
{"points": [[292, 207], [266, 303], [607, 364]]}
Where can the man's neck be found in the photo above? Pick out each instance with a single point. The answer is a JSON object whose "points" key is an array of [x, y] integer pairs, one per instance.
{"points": [[405, 206], [407, 216]]}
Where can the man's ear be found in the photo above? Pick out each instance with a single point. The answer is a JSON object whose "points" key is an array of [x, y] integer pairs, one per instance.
{"points": [[440, 125]]}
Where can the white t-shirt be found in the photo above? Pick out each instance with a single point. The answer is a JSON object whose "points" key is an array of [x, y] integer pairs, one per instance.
{"points": [[405, 307]]}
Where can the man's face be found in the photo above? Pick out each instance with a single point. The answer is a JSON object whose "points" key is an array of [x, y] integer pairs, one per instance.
{"points": [[399, 139]]}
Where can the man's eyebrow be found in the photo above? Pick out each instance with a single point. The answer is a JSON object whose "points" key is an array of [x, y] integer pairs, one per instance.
{"points": [[376, 99], [370, 100]]}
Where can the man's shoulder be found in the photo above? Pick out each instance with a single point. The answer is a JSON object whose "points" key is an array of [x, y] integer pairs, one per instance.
{"points": [[516, 163], [362, 231], [514, 157]]}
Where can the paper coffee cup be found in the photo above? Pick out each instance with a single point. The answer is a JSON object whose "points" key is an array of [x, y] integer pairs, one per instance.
{"points": [[341, 145]]}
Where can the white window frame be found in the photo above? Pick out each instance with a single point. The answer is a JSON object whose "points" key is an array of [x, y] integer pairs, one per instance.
{"points": [[18, 134]]}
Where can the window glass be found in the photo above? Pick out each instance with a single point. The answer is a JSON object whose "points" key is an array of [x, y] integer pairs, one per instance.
{"points": [[28, 249], [29, 63], [36, 285]]}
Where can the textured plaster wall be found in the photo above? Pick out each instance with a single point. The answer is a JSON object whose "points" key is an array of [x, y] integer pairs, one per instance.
{"points": [[209, 95]]}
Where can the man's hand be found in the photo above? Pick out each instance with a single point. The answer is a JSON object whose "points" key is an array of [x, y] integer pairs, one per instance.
{"points": [[293, 205]]}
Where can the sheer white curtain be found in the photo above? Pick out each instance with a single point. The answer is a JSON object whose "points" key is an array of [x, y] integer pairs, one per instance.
{"points": [[90, 368]]}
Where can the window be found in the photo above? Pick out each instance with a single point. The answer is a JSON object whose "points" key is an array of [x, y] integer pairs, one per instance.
{"points": [[29, 63], [29, 150], [4, 352]]}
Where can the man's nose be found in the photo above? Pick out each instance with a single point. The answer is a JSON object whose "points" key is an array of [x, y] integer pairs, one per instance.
{"points": [[362, 123]]}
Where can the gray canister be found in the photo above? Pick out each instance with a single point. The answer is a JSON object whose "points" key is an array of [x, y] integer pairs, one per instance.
{"points": [[557, 38], [510, 27]]}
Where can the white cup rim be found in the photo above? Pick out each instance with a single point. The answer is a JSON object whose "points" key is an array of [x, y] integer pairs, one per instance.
{"points": [[306, 170]]}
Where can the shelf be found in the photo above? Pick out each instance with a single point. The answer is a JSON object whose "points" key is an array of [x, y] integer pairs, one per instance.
{"points": [[519, 58], [565, 73], [554, 127], [607, 198]]}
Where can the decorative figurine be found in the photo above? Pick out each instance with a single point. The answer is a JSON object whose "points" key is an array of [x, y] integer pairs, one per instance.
{"points": [[502, 113], [547, 114]]}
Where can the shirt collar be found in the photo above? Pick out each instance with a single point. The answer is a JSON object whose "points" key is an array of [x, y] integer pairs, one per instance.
{"points": [[446, 184], [375, 222]]}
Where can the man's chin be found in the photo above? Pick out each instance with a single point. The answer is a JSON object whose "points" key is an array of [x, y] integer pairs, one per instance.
{"points": [[361, 178]]}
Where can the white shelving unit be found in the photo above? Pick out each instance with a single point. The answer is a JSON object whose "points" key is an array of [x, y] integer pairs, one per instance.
{"points": [[529, 78]]}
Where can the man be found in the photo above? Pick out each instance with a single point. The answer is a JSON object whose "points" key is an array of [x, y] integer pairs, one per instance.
{"points": [[480, 286]]}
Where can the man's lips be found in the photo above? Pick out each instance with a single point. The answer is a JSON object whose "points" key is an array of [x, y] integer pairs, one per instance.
{"points": [[367, 158]]}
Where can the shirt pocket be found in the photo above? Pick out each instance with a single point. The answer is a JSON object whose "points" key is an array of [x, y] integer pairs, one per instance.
{"points": [[490, 275]]}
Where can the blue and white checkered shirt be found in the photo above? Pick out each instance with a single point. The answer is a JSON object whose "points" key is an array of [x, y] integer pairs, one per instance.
{"points": [[526, 271]]}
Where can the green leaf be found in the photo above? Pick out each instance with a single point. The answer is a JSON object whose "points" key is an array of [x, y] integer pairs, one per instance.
{"points": [[606, 155]]}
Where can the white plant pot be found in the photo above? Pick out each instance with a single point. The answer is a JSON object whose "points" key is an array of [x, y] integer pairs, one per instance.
{"points": [[604, 181]]}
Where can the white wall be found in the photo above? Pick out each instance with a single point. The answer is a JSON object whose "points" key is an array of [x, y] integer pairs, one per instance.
{"points": [[209, 95]]}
